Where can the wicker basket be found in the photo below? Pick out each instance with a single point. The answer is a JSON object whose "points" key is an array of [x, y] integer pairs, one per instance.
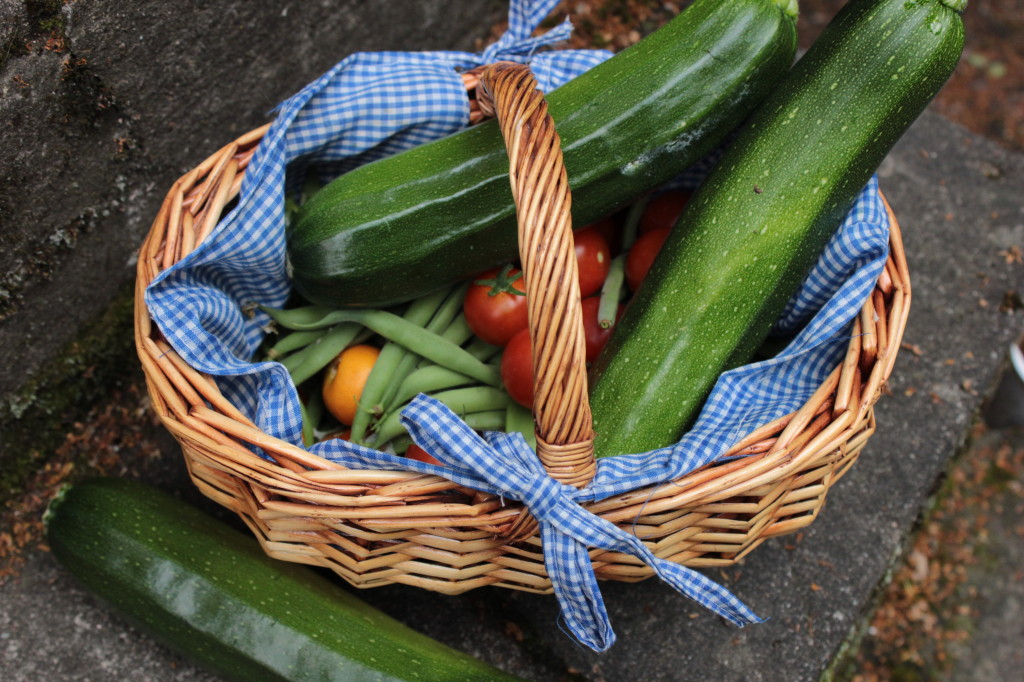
{"points": [[379, 527]]}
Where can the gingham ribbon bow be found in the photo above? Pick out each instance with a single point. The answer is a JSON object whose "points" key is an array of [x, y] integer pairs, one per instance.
{"points": [[503, 464], [518, 42]]}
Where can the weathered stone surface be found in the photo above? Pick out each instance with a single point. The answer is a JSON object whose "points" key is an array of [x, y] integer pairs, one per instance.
{"points": [[103, 104], [13, 26], [958, 200]]}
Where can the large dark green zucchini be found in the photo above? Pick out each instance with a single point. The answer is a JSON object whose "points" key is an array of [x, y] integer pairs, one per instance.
{"points": [[752, 232], [209, 592], [407, 224]]}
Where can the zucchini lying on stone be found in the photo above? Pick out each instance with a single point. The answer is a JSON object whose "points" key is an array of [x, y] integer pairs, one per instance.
{"points": [[407, 224], [209, 592], [754, 229]]}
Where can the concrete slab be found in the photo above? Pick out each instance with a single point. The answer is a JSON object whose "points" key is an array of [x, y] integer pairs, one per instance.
{"points": [[959, 203]]}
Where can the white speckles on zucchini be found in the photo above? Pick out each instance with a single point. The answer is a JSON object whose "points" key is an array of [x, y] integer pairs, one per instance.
{"points": [[347, 247], [230, 625], [833, 89]]}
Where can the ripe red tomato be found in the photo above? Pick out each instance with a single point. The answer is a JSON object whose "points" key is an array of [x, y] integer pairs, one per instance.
{"points": [[517, 368], [663, 210], [642, 254], [595, 334], [608, 228], [416, 452], [593, 259], [492, 312]]}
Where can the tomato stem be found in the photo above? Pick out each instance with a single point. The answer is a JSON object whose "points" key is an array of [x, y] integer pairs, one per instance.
{"points": [[502, 284]]}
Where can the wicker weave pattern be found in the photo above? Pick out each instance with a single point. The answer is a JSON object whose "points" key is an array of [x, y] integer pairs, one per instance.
{"points": [[376, 527]]}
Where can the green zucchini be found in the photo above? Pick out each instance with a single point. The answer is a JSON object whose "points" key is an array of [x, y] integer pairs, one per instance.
{"points": [[210, 592], [754, 229], [407, 224]]}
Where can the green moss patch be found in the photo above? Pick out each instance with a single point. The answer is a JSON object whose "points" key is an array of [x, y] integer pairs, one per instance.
{"points": [[35, 420]]}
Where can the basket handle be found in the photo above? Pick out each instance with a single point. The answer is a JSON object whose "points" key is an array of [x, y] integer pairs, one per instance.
{"points": [[540, 188]]}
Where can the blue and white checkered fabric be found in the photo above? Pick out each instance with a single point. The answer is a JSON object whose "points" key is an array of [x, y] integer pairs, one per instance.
{"points": [[371, 105]]}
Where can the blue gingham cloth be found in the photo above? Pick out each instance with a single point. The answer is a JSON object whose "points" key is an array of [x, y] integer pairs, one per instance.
{"points": [[371, 105]]}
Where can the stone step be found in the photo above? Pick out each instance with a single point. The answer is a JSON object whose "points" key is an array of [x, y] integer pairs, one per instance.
{"points": [[958, 198]]}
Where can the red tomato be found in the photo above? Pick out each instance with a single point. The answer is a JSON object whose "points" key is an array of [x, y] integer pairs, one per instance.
{"points": [[596, 335], [663, 210], [642, 254], [492, 312], [517, 369], [608, 228], [593, 258], [416, 452]]}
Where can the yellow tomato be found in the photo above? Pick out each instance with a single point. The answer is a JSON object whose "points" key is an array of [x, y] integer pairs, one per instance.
{"points": [[345, 379]]}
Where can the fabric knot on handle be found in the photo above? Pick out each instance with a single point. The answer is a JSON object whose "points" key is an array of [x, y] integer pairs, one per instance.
{"points": [[503, 464], [518, 41], [517, 44]]}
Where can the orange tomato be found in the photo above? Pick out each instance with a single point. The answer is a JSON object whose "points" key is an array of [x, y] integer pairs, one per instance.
{"points": [[344, 381]]}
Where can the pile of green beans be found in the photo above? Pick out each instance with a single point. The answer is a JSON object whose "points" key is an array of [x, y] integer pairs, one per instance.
{"points": [[426, 348]]}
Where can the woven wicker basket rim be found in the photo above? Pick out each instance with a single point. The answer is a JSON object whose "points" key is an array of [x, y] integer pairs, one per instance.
{"points": [[302, 507]]}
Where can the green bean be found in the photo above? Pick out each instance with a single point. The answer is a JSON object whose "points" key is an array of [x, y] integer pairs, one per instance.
{"points": [[629, 228], [439, 322], [429, 379], [313, 410], [417, 339], [307, 317], [449, 309], [296, 359], [611, 293], [388, 362], [519, 419], [458, 332], [381, 373], [491, 420], [363, 335], [404, 367], [313, 358], [400, 444], [307, 430], [293, 341], [474, 399], [482, 350], [469, 400]]}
